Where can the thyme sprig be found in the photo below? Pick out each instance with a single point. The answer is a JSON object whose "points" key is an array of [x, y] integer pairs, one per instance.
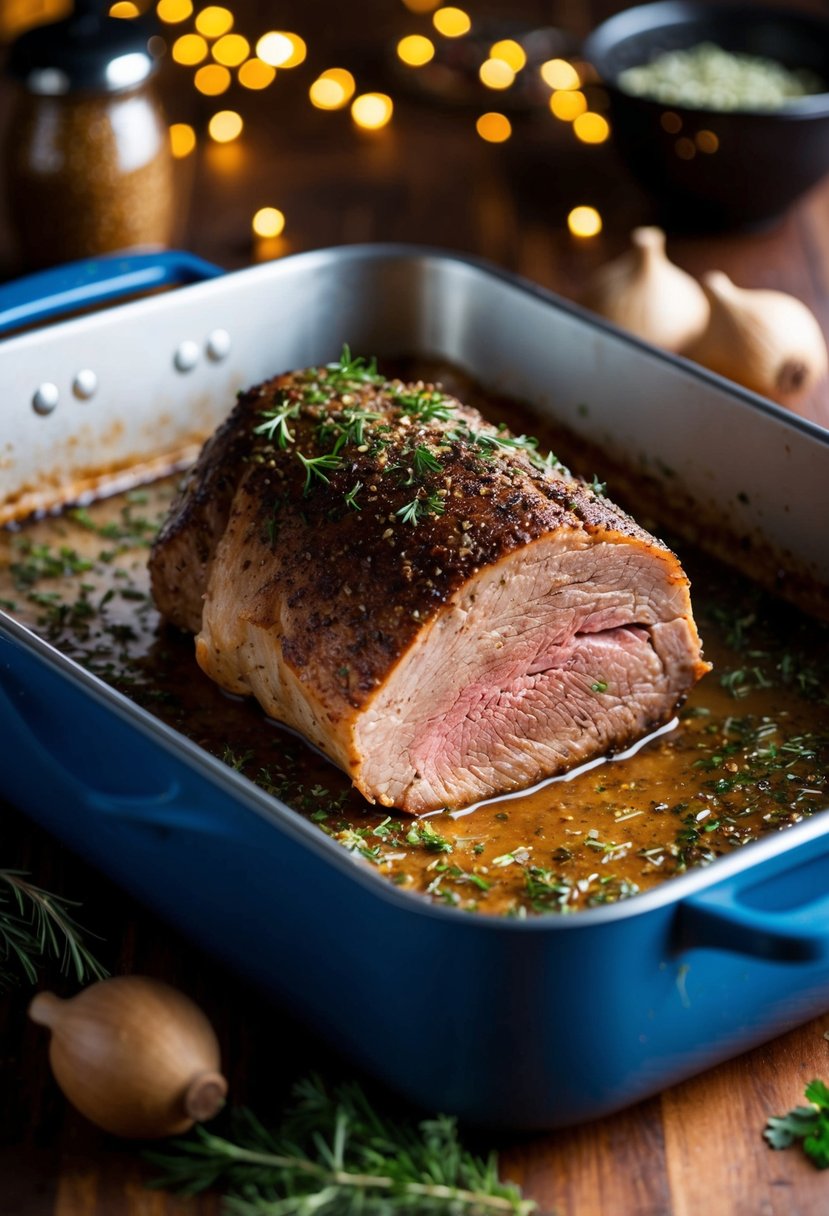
{"points": [[351, 497], [315, 467], [35, 924], [349, 370], [276, 421], [334, 1153], [425, 405], [419, 507], [424, 461]]}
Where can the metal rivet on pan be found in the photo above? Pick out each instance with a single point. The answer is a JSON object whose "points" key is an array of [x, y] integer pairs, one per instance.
{"points": [[218, 345], [85, 384], [45, 398], [186, 356]]}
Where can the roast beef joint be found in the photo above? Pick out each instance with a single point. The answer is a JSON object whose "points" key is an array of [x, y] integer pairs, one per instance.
{"points": [[444, 611]]}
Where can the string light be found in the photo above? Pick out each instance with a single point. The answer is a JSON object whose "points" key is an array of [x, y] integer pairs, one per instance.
{"points": [[591, 128], [421, 6], [327, 95], [451, 22], [584, 221], [174, 11], [214, 21], [268, 222], [125, 9], [707, 141], [415, 50], [568, 104], [254, 74], [189, 49], [372, 110], [281, 49], [510, 51], [225, 126], [332, 89], [496, 74], [343, 78], [559, 74], [495, 128], [231, 50], [182, 139], [212, 80]]}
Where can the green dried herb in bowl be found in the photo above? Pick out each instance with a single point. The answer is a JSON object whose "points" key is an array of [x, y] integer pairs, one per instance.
{"points": [[708, 77]]}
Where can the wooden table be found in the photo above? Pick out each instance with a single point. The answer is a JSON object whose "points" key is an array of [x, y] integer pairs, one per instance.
{"points": [[428, 179]]}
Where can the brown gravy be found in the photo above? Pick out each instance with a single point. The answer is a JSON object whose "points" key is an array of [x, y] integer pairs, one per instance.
{"points": [[749, 755]]}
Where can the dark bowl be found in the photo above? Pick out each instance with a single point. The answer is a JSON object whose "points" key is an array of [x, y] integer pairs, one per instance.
{"points": [[708, 168]]}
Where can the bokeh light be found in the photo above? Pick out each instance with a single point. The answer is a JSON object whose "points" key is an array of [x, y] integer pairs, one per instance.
{"points": [[495, 128], [231, 50], [173, 11], [451, 22], [212, 80], [496, 74], [568, 104], [332, 89], [225, 126], [685, 148], [256, 75], [591, 128], [372, 110], [281, 49], [214, 21], [584, 221], [268, 222], [671, 122], [707, 141], [415, 50], [510, 51], [182, 139], [189, 49], [327, 94], [421, 6], [125, 9], [559, 74]]}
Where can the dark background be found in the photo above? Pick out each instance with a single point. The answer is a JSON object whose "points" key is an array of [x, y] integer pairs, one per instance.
{"points": [[427, 178]]}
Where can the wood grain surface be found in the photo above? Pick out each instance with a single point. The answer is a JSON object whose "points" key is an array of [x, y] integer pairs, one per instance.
{"points": [[695, 1150]]}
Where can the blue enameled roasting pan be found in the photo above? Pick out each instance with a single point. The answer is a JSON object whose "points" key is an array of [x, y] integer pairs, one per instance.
{"points": [[517, 1023]]}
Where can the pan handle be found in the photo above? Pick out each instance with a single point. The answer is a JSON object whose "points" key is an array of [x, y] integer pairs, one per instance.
{"points": [[63, 289], [76, 754], [777, 910]]}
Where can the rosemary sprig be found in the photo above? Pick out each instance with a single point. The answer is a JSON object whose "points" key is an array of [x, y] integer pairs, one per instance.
{"points": [[334, 1153], [35, 924]]}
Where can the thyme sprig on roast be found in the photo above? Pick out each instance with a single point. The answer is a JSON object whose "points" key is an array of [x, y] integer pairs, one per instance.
{"points": [[350, 422], [275, 426]]}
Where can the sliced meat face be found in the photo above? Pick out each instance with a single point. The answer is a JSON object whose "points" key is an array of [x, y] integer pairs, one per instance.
{"points": [[444, 613]]}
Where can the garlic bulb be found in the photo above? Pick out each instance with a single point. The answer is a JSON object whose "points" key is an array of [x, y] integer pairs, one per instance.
{"points": [[766, 340], [134, 1055], [644, 292]]}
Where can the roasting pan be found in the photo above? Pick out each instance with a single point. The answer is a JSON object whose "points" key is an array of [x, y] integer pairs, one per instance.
{"points": [[514, 1023]]}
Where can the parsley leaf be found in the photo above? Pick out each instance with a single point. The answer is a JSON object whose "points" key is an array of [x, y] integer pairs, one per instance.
{"points": [[809, 1124]]}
